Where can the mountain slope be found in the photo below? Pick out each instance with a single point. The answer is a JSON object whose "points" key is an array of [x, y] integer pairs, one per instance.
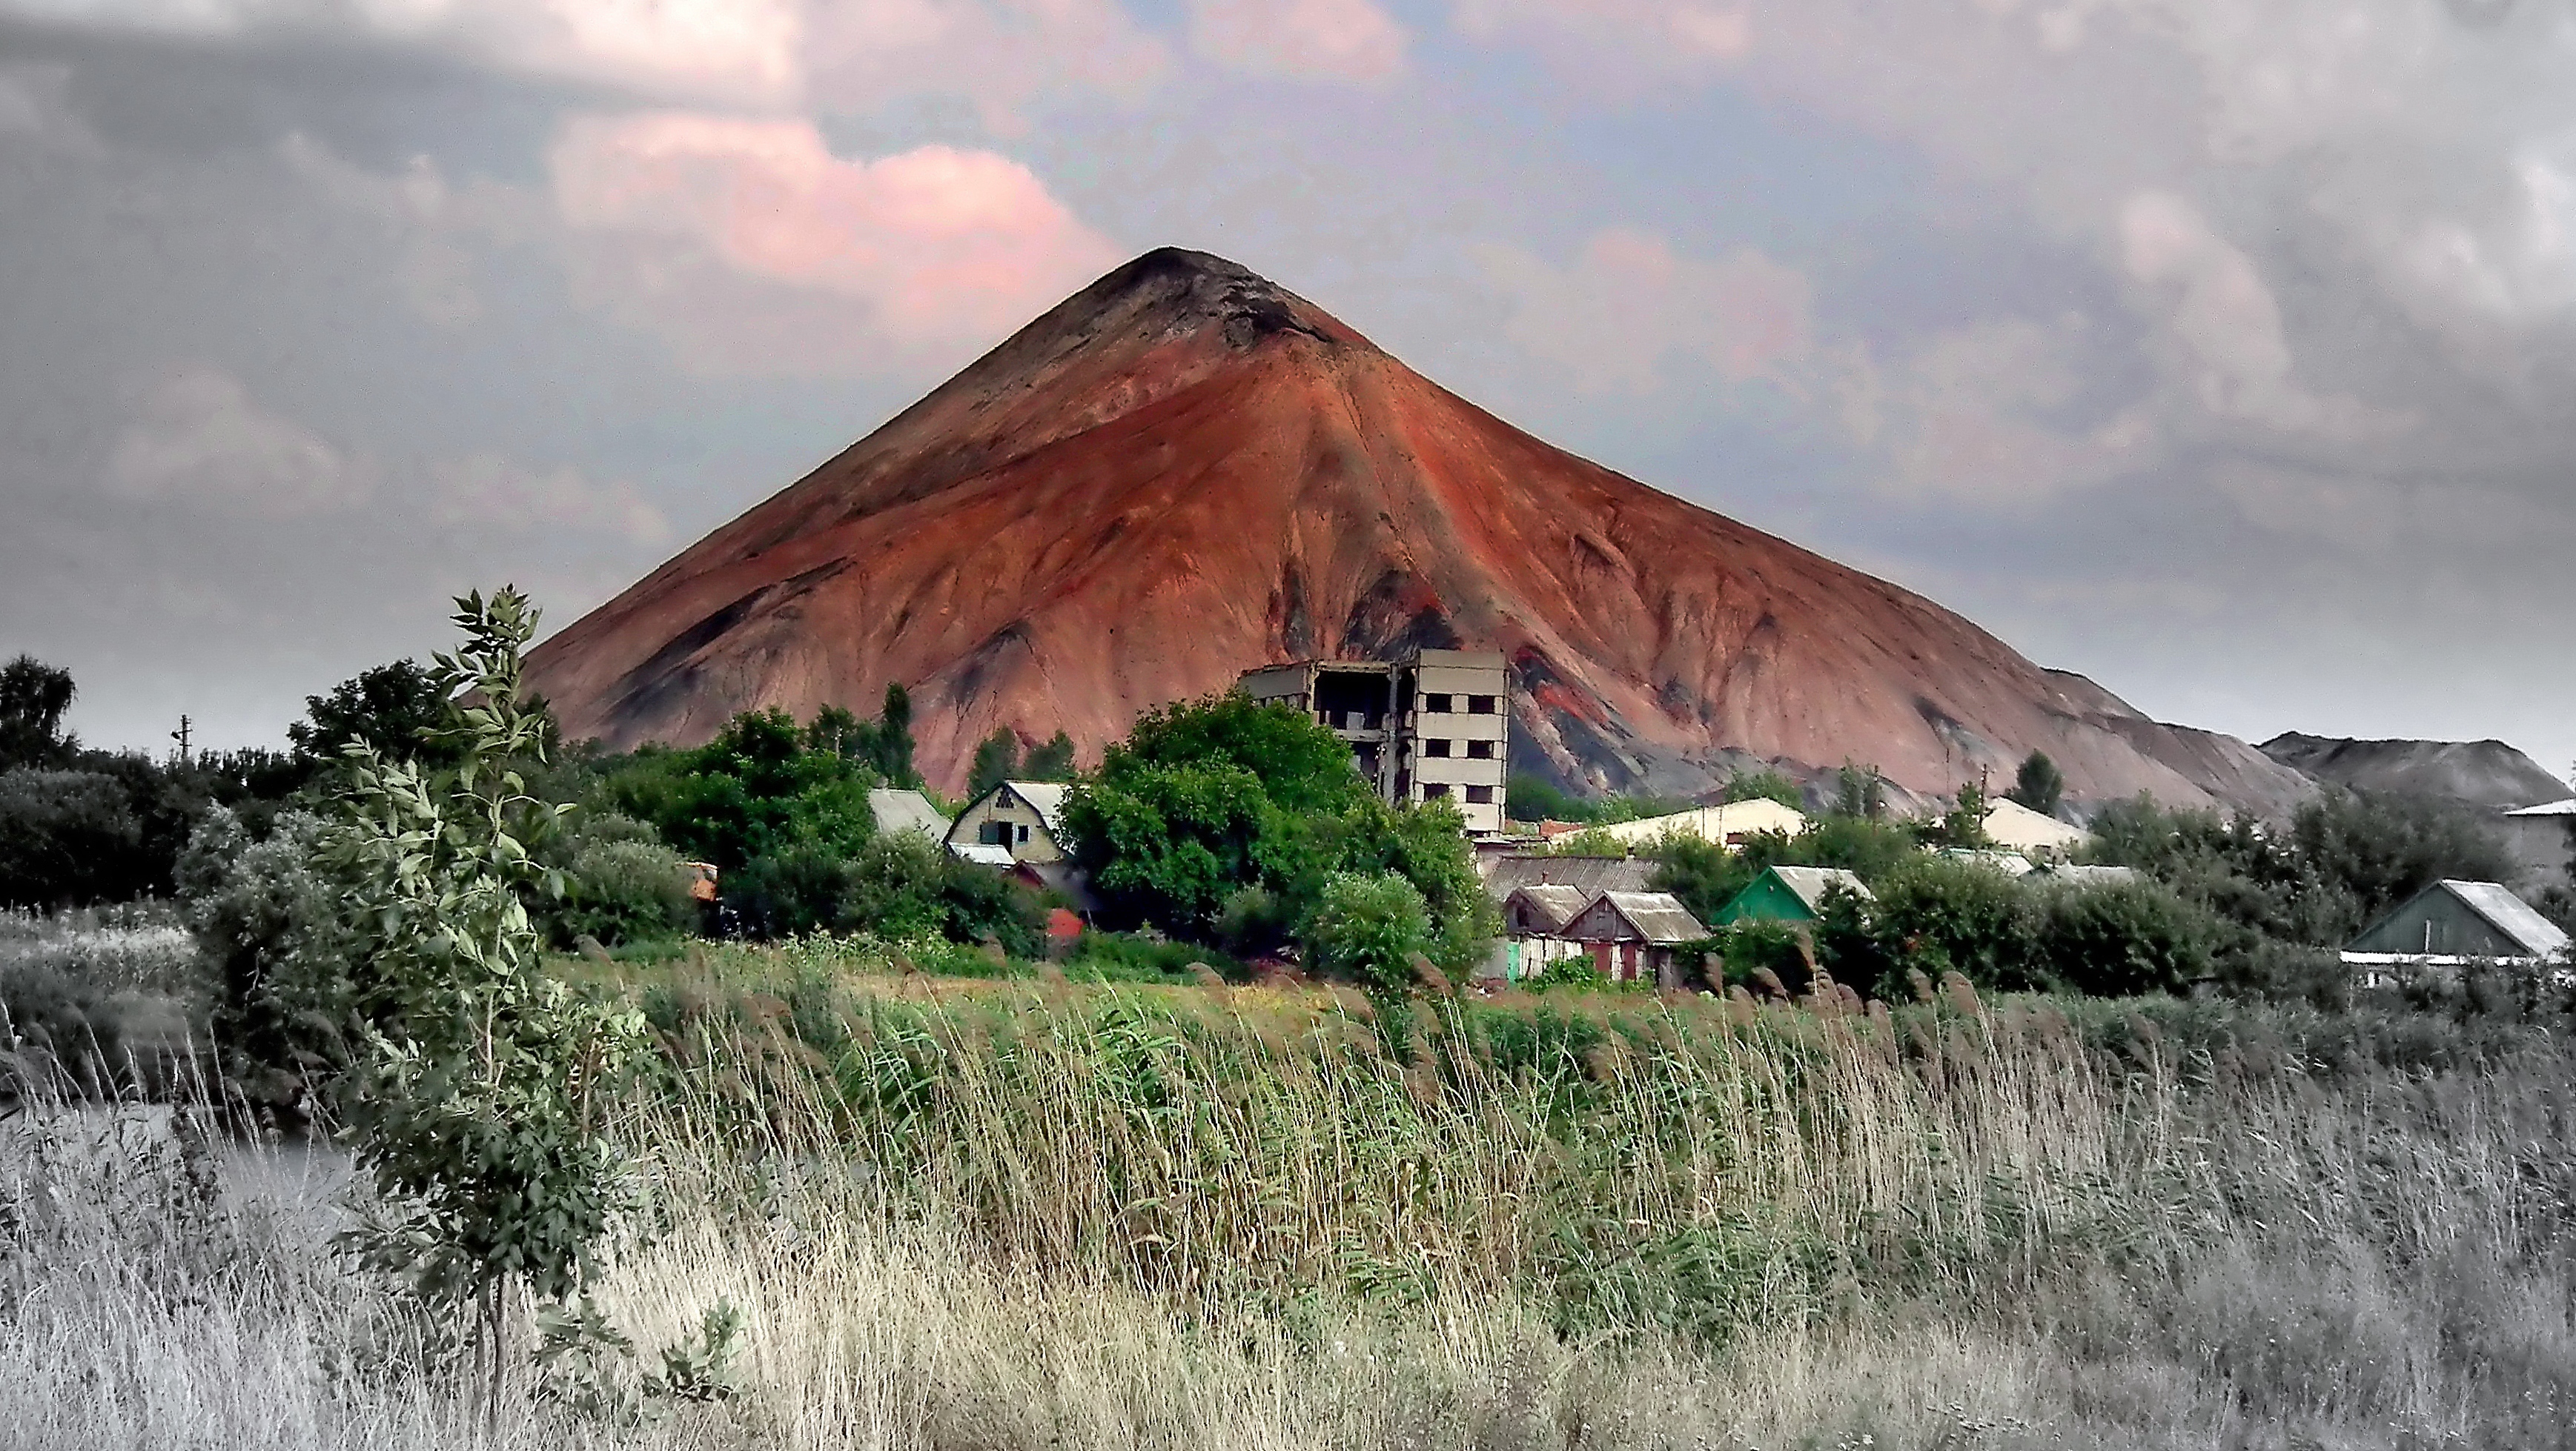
{"points": [[1184, 471], [2481, 773]]}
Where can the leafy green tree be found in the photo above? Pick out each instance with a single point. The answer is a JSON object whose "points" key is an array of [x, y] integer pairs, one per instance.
{"points": [[1859, 792], [1765, 786], [2124, 939], [1701, 874], [2039, 785], [1963, 826], [399, 709], [903, 884], [1535, 798], [1368, 928], [1940, 916], [66, 838], [1050, 762], [757, 789], [2379, 849], [265, 919], [996, 760], [884, 745], [1209, 798], [34, 697], [477, 1106]]}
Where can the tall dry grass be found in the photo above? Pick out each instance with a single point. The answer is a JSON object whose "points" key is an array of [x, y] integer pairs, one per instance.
{"points": [[1039, 1216]]}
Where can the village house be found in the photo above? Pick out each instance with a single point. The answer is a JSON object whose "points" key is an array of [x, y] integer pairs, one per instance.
{"points": [[1731, 824], [1633, 936], [1535, 921], [901, 810], [1530, 941], [1015, 822], [2453, 924], [2014, 827], [1791, 894], [2542, 839]]}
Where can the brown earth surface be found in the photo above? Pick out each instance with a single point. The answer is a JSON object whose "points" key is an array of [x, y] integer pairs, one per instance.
{"points": [[1183, 472]]}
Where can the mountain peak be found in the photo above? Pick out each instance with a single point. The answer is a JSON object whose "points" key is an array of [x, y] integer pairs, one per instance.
{"points": [[1185, 470], [1185, 291]]}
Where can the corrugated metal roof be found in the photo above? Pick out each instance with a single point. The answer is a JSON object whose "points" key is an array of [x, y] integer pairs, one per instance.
{"points": [[901, 810], [2016, 826], [1046, 798], [1658, 916], [1594, 874], [1556, 907], [1812, 883], [2010, 863], [2552, 808], [2083, 876], [1713, 823], [982, 855], [2510, 915]]}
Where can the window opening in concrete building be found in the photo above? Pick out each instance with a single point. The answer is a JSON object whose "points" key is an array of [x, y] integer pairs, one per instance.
{"points": [[1435, 791], [1434, 703], [1480, 705], [1480, 795], [1435, 748], [1480, 750]]}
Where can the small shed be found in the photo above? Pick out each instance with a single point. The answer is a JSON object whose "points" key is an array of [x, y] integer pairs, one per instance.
{"points": [[1024, 818], [1535, 922], [1791, 894], [1632, 935], [2455, 924]]}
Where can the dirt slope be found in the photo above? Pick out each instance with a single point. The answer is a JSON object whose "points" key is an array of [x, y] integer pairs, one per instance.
{"points": [[1184, 471], [2482, 773]]}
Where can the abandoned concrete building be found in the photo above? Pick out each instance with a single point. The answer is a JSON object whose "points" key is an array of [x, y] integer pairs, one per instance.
{"points": [[1434, 725]]}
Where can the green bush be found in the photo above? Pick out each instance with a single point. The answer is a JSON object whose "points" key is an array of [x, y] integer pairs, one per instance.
{"points": [[903, 885], [621, 891], [1369, 929], [265, 921], [2122, 940]]}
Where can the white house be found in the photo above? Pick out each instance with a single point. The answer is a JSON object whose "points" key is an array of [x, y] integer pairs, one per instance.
{"points": [[1022, 818]]}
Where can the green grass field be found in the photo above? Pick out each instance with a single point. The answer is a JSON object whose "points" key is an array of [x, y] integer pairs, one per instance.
{"points": [[1029, 1212]]}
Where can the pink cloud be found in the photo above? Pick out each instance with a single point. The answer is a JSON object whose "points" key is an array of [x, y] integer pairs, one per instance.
{"points": [[920, 251], [1348, 40]]}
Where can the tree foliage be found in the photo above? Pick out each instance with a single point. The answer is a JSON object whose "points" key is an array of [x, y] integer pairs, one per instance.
{"points": [[1368, 928], [1222, 821], [1765, 786], [477, 1101], [399, 709], [883, 745], [34, 697], [2038, 785], [761, 788]]}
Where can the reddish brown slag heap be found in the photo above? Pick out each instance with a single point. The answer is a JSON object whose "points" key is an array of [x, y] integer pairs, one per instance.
{"points": [[1184, 471]]}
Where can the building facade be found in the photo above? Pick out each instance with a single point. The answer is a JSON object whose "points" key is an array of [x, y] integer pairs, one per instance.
{"points": [[1433, 726], [1021, 819]]}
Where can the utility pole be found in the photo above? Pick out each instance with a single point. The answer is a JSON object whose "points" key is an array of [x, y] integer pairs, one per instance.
{"points": [[181, 736]]}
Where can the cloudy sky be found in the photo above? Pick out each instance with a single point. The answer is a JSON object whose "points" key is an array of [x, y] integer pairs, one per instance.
{"points": [[2219, 349]]}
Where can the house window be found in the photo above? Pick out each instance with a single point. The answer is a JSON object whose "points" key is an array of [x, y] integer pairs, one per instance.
{"points": [[1435, 748], [1480, 705], [1480, 795], [993, 833], [1436, 704], [1435, 791], [1024, 836], [1480, 750]]}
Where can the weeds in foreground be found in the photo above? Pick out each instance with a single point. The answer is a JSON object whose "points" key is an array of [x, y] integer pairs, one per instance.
{"points": [[1036, 1215]]}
